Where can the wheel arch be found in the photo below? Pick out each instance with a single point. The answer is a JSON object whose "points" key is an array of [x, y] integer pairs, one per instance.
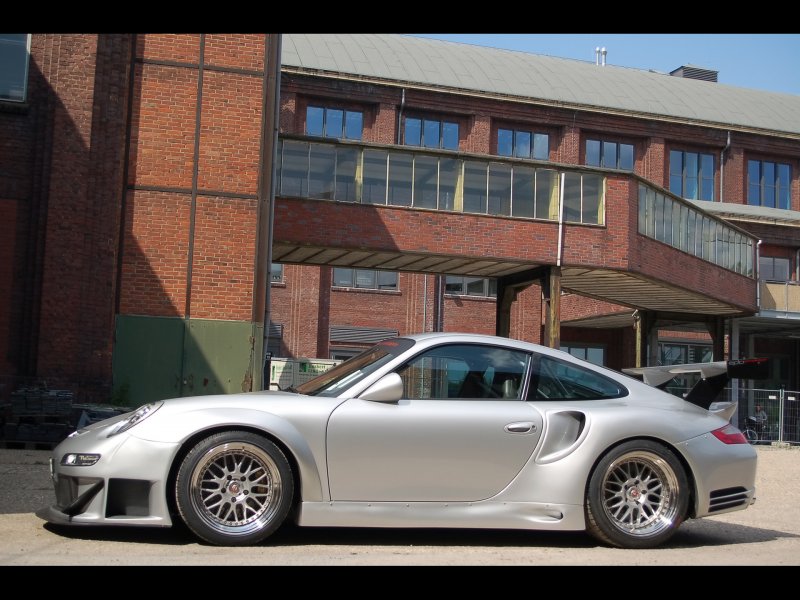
{"points": [[692, 504], [196, 437]]}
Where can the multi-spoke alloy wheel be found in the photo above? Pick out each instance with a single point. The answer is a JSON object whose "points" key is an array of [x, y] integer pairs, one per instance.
{"points": [[234, 488], [638, 496]]}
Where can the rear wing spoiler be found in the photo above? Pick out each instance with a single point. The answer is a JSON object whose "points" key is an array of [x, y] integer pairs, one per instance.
{"points": [[713, 376]]}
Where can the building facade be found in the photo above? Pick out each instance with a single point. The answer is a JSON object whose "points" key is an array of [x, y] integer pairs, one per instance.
{"points": [[151, 226]]}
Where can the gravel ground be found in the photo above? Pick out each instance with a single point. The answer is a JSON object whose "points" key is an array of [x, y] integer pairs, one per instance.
{"points": [[768, 533]]}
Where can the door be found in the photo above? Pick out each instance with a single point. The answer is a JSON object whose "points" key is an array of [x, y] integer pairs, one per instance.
{"points": [[461, 432]]}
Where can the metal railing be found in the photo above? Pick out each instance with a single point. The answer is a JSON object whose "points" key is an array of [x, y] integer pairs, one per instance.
{"points": [[780, 421]]}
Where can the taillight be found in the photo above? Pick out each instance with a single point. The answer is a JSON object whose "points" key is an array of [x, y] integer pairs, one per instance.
{"points": [[729, 435]]}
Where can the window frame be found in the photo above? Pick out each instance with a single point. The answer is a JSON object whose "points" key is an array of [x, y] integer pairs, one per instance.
{"points": [[26, 70], [326, 108], [534, 135], [607, 143], [778, 190], [423, 123], [489, 288], [700, 181], [376, 276]]}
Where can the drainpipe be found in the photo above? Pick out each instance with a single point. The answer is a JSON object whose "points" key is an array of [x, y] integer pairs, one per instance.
{"points": [[400, 115], [722, 169], [560, 219], [758, 276]]}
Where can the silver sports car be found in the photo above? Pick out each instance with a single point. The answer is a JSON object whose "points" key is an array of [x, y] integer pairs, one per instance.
{"points": [[432, 430]]}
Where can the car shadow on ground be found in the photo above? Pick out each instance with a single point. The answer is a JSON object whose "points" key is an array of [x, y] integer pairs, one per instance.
{"points": [[693, 534]]}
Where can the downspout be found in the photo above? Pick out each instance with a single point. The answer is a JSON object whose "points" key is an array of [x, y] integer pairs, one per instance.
{"points": [[758, 276], [722, 169], [560, 219], [400, 114]]}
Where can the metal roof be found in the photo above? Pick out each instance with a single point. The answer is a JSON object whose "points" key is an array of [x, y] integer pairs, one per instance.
{"points": [[403, 59]]}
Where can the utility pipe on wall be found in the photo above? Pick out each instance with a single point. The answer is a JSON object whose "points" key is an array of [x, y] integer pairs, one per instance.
{"points": [[722, 169]]}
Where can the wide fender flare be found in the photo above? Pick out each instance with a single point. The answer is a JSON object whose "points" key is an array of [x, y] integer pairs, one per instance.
{"points": [[192, 423]]}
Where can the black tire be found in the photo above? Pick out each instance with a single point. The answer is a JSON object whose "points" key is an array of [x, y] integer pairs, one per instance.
{"points": [[637, 497], [234, 488]]}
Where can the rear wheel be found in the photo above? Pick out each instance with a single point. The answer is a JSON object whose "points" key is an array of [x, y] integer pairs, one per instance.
{"points": [[234, 488], [638, 496]]}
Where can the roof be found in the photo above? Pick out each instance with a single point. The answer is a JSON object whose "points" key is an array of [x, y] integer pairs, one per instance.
{"points": [[403, 59], [746, 212]]}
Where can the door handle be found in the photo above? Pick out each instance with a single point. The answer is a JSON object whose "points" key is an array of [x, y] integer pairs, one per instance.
{"points": [[520, 427]]}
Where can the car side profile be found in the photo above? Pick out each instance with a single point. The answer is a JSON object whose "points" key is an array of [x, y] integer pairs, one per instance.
{"points": [[440, 430]]}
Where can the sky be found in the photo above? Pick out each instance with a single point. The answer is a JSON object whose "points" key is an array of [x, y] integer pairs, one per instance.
{"points": [[768, 61]]}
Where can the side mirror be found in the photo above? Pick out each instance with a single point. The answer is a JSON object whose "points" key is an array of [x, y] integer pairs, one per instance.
{"points": [[388, 388]]}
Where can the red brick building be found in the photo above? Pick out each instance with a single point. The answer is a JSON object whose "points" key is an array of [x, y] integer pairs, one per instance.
{"points": [[418, 186]]}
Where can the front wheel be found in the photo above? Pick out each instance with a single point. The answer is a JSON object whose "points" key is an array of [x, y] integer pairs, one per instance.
{"points": [[638, 496], [234, 488]]}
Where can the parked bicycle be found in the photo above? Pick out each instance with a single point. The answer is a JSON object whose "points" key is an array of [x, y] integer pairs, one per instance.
{"points": [[758, 428]]}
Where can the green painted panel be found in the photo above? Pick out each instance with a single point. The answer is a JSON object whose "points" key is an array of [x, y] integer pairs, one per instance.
{"points": [[147, 359], [166, 357], [218, 357]]}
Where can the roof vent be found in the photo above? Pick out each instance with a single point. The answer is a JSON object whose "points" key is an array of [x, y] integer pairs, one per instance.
{"points": [[692, 72], [600, 56]]}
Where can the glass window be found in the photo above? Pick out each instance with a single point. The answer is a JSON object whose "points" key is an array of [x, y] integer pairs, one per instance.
{"points": [[499, 202], [431, 133], [425, 178], [523, 144], [276, 273], [413, 131], [593, 354], [691, 175], [612, 155], [334, 122], [556, 379], [465, 371], [768, 184], [773, 268], [365, 279], [470, 286], [14, 59]]}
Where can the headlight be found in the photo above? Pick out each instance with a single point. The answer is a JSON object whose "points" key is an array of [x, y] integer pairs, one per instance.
{"points": [[135, 417]]}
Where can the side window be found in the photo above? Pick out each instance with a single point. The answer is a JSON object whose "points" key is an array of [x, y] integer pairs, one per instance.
{"points": [[465, 371], [559, 380]]}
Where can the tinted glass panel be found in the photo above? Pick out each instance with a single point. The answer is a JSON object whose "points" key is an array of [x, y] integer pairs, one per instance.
{"points": [[373, 189], [315, 120], [522, 144], [592, 196], [626, 156], [572, 197], [353, 125], [546, 194], [334, 123], [522, 200], [425, 176], [475, 180], [541, 146], [499, 189], [431, 134], [343, 277], [505, 142], [610, 155], [400, 173], [346, 161], [413, 132], [593, 153], [294, 169], [321, 173], [449, 170], [450, 136], [556, 379]]}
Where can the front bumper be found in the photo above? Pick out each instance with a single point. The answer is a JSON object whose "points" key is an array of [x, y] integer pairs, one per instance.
{"points": [[127, 485]]}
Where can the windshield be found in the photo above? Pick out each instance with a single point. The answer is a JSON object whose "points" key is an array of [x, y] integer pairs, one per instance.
{"points": [[353, 370]]}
